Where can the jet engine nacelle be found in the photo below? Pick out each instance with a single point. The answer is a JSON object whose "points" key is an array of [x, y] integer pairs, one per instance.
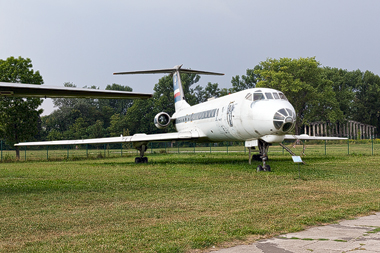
{"points": [[162, 120]]}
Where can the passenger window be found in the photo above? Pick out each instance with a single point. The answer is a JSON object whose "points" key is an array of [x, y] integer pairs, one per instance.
{"points": [[258, 96], [275, 95], [248, 96], [269, 95]]}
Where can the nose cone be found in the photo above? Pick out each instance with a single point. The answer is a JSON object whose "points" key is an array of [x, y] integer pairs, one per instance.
{"points": [[284, 119]]}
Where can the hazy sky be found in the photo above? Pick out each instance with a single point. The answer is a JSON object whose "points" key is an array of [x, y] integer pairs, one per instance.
{"points": [[85, 41]]}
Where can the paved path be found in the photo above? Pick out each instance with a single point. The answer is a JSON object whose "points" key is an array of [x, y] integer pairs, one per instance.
{"points": [[359, 235]]}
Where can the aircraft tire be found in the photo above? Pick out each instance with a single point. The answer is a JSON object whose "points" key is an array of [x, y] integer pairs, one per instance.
{"points": [[259, 168], [137, 160], [267, 168], [256, 158]]}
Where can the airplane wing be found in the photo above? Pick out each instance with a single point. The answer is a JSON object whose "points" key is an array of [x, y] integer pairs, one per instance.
{"points": [[43, 91], [187, 135], [308, 137]]}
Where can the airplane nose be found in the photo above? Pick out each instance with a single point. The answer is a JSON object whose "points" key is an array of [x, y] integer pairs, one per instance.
{"points": [[284, 119]]}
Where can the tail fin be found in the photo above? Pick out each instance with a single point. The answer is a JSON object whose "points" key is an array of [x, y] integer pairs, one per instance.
{"points": [[179, 97]]}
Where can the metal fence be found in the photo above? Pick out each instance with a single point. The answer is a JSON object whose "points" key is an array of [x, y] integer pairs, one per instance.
{"points": [[73, 152]]}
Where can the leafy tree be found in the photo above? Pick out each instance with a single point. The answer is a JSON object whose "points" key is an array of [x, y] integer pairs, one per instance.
{"points": [[246, 82], [77, 130], [54, 134], [96, 130], [302, 82], [200, 95], [19, 117], [343, 85], [117, 125], [366, 102], [118, 105], [140, 117]]}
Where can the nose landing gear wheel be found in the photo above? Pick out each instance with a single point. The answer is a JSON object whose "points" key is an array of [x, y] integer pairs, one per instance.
{"points": [[263, 168]]}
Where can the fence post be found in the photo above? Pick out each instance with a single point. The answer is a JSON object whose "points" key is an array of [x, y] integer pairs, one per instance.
{"points": [[372, 144], [348, 145], [325, 147]]}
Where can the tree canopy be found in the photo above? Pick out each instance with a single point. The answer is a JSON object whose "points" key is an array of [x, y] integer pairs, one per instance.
{"points": [[302, 82], [19, 117]]}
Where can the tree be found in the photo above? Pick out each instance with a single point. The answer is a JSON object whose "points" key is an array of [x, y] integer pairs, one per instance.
{"points": [[246, 82], [366, 102], [343, 85], [19, 117], [118, 105], [302, 82]]}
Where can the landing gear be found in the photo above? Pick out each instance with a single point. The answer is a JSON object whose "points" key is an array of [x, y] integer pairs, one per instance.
{"points": [[263, 149], [141, 159], [142, 148], [261, 168], [262, 156]]}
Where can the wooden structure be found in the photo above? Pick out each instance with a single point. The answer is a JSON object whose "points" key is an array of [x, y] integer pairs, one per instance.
{"points": [[351, 129]]}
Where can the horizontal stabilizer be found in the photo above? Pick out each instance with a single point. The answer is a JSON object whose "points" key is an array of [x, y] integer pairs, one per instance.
{"points": [[170, 71]]}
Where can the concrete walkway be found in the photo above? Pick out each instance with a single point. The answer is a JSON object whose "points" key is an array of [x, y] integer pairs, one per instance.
{"points": [[359, 235]]}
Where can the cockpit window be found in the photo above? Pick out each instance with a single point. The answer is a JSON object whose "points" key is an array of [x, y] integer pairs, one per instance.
{"points": [[268, 95], [258, 96], [248, 96], [282, 96], [275, 95], [289, 112]]}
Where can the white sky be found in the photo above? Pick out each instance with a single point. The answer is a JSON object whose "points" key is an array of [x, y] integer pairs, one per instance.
{"points": [[85, 41]]}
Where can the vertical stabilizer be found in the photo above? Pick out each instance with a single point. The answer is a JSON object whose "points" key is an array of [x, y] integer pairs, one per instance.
{"points": [[179, 96]]}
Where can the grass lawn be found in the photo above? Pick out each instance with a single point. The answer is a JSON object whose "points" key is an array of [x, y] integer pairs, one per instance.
{"points": [[177, 202]]}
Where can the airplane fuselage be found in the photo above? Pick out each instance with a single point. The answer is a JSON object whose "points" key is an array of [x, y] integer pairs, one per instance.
{"points": [[258, 113]]}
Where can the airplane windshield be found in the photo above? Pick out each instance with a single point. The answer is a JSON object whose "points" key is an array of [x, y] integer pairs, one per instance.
{"points": [[268, 95], [248, 96], [258, 96], [282, 96], [275, 95]]}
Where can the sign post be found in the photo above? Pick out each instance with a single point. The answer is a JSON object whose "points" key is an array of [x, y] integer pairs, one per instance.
{"points": [[297, 159]]}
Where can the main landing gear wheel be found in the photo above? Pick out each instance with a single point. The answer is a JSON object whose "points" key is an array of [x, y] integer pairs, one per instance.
{"points": [[141, 160]]}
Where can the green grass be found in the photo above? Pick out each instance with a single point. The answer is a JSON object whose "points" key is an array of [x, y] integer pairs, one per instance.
{"points": [[177, 202], [78, 152]]}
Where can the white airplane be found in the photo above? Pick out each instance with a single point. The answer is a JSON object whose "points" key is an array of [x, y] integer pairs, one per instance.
{"points": [[257, 116]]}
